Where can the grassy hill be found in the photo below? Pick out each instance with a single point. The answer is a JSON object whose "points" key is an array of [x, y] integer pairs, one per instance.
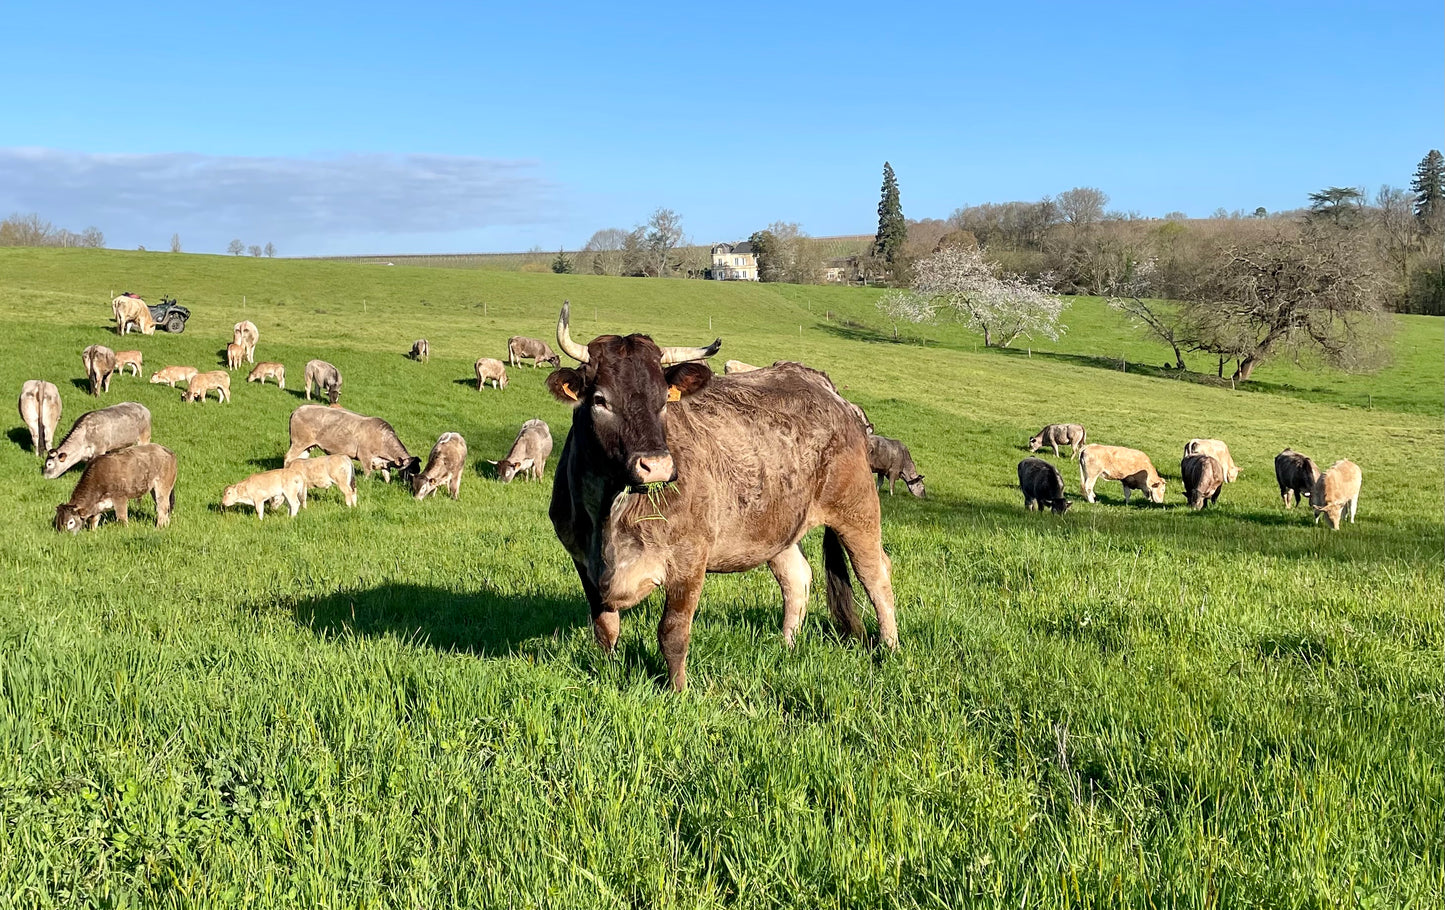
{"points": [[401, 704]]}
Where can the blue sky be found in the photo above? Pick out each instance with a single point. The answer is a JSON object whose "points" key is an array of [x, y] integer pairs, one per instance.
{"points": [[385, 128]]}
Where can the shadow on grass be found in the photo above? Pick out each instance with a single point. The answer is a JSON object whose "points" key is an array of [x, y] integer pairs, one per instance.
{"points": [[268, 462], [484, 622], [21, 437]]}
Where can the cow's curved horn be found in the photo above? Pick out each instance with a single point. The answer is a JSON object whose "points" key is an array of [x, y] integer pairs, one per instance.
{"points": [[683, 355], [569, 347]]}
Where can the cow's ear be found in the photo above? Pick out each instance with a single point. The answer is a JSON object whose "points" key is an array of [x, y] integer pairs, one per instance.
{"points": [[565, 385], [686, 378]]}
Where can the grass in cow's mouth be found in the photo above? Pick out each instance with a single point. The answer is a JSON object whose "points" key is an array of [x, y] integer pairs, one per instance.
{"points": [[654, 493]]}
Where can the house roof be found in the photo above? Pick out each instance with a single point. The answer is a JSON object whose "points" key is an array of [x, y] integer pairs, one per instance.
{"points": [[746, 247]]}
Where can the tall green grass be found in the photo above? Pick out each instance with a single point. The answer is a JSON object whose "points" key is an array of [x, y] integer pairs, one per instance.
{"points": [[401, 704]]}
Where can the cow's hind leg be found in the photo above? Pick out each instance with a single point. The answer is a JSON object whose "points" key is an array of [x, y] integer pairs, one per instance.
{"points": [[675, 630], [1354, 503], [795, 577], [864, 545]]}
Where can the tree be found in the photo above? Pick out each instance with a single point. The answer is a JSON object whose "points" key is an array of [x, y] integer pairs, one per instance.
{"points": [[561, 265], [254, 250], [634, 253], [1261, 212], [175, 243], [26, 230], [1309, 290], [785, 252], [1002, 307], [1082, 206], [664, 233], [236, 247], [1396, 229], [892, 227], [765, 251], [270, 250], [902, 306], [92, 237], [1130, 295], [606, 248], [1338, 205], [1428, 186]]}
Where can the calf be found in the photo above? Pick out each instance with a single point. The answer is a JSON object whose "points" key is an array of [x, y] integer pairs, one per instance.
{"points": [[1204, 477], [1336, 488], [325, 377], [1060, 434], [172, 375], [489, 369], [420, 350], [99, 363], [246, 335], [890, 459], [235, 355], [130, 359], [1219, 451], [327, 471], [529, 452], [267, 486], [444, 467], [520, 346], [737, 366], [40, 409], [97, 433], [203, 383], [1042, 485], [1130, 467], [112, 481], [267, 369], [1296, 475], [336, 431]]}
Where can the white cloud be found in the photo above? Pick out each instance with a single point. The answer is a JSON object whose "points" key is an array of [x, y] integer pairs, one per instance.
{"points": [[297, 202]]}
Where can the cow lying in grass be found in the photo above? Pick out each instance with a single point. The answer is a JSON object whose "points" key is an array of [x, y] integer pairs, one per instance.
{"points": [[112, 480]]}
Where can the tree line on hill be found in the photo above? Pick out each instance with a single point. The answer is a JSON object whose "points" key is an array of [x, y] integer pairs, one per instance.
{"points": [[32, 230]]}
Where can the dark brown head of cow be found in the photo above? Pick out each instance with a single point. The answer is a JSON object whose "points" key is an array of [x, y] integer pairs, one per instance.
{"points": [[619, 392]]}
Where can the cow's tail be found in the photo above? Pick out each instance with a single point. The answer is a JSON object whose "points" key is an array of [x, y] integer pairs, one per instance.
{"points": [[840, 586]]}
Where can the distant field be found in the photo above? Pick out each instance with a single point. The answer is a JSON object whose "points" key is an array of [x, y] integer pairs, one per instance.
{"points": [[402, 705]]}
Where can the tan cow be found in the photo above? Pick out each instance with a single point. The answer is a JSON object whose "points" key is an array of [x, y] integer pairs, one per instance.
{"points": [[325, 377], [246, 335], [529, 453], [490, 369], [1219, 451], [1054, 435], [235, 354], [96, 433], [420, 350], [267, 369], [40, 409], [111, 481], [1336, 488], [326, 471], [337, 431], [1130, 467], [132, 359], [202, 383], [99, 363], [444, 467], [172, 375], [268, 486], [132, 311]]}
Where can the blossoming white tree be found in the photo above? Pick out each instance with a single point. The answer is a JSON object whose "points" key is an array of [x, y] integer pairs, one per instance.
{"points": [[1003, 307]]}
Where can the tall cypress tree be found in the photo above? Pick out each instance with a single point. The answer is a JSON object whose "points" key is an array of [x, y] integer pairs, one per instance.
{"points": [[892, 229], [1429, 189]]}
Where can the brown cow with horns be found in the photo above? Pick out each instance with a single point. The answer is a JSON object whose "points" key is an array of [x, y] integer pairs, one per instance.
{"points": [[670, 472]]}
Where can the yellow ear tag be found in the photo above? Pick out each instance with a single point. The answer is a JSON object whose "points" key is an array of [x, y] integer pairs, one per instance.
{"points": [[674, 393], [569, 392]]}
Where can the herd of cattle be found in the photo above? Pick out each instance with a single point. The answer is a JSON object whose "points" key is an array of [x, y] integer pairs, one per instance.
{"points": [[738, 468]]}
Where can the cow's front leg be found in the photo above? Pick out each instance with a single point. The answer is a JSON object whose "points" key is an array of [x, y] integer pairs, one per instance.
{"points": [[606, 622], [675, 630], [795, 577]]}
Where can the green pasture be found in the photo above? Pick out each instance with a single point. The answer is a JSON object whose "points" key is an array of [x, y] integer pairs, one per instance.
{"points": [[401, 705]]}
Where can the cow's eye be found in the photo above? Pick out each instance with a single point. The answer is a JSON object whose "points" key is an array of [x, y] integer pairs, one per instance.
{"points": [[600, 401]]}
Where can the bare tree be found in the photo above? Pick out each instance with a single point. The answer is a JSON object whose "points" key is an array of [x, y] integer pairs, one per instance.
{"points": [[236, 247], [1003, 307], [92, 237], [1129, 294], [635, 256], [26, 230], [1082, 206], [664, 233], [1397, 229], [254, 250], [270, 250], [605, 247], [175, 243]]}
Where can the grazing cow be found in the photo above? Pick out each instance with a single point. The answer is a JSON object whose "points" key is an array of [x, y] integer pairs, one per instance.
{"points": [[112, 481], [1203, 479], [97, 433], [326, 378], [1042, 485], [326, 471], [1296, 475], [520, 346], [1130, 467], [420, 350], [130, 311], [1219, 450], [669, 473], [202, 383], [737, 366], [444, 467], [490, 369], [132, 359], [172, 375], [268, 486], [337, 431], [40, 409], [99, 363], [235, 355], [268, 369], [529, 452], [1060, 434], [1336, 488], [891, 460], [246, 335]]}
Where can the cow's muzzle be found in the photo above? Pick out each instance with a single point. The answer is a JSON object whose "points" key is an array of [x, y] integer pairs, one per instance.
{"points": [[653, 468]]}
